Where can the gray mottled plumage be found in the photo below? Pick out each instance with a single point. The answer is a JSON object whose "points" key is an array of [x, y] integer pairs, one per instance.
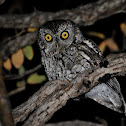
{"points": [[65, 58]]}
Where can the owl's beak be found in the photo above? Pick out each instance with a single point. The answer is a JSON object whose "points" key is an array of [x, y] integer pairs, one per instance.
{"points": [[57, 48]]}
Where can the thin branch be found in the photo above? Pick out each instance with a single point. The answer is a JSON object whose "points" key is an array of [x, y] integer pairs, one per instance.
{"points": [[54, 94], [15, 91], [17, 43], [15, 76], [85, 14], [13, 37], [2, 1]]}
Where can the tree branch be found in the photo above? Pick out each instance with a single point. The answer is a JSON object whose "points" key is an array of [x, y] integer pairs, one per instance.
{"points": [[75, 123], [82, 15], [2, 1], [5, 109], [16, 76], [54, 94], [85, 14], [17, 43]]}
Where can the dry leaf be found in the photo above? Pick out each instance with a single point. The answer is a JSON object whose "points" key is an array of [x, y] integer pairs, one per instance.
{"points": [[7, 64], [31, 29], [17, 58], [21, 70], [28, 52], [123, 28], [97, 34], [36, 79], [111, 44], [21, 83], [102, 46]]}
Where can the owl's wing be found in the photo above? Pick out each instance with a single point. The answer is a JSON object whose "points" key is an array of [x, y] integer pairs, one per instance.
{"points": [[109, 95]]}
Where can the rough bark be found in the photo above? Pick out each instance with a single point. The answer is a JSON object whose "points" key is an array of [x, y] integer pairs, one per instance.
{"points": [[75, 123], [54, 94], [85, 14]]}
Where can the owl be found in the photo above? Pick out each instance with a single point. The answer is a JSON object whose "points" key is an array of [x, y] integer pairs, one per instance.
{"points": [[65, 53]]}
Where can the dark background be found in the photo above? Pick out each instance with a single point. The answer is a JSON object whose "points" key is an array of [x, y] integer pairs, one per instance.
{"points": [[85, 109]]}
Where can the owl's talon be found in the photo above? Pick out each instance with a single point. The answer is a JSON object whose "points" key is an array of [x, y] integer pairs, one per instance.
{"points": [[105, 78], [87, 85], [104, 63]]}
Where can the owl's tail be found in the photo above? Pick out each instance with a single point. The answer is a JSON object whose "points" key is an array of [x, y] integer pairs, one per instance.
{"points": [[109, 95]]}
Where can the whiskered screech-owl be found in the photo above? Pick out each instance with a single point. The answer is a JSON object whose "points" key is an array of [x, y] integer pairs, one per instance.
{"points": [[66, 53]]}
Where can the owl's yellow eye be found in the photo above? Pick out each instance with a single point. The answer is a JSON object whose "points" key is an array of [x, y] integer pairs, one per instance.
{"points": [[64, 35], [48, 37]]}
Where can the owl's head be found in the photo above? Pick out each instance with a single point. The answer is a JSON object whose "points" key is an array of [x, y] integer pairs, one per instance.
{"points": [[57, 35]]}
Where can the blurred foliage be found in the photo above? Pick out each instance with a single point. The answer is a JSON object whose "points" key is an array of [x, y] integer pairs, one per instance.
{"points": [[107, 42], [36, 79], [21, 70], [28, 52], [96, 34], [7, 64], [123, 28], [17, 58], [110, 43], [21, 83], [31, 29]]}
